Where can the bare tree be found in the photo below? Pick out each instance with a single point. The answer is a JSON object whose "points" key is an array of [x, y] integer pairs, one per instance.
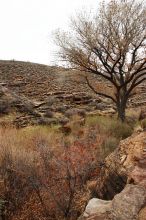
{"points": [[110, 44]]}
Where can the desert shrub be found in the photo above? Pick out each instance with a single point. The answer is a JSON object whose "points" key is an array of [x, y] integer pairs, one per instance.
{"points": [[111, 130], [44, 121], [22, 106], [16, 167], [63, 121], [44, 172], [75, 111], [49, 114], [51, 100], [63, 175], [26, 107], [120, 130], [133, 116], [62, 108], [111, 126], [143, 123], [4, 107], [109, 145]]}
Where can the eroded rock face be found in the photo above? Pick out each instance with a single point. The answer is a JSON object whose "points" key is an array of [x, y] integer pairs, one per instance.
{"points": [[126, 163], [125, 205]]}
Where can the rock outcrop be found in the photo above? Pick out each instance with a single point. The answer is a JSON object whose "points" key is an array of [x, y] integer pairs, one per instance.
{"points": [[125, 205], [121, 186], [120, 165]]}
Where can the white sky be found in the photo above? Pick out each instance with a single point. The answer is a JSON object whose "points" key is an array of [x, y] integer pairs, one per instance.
{"points": [[26, 27]]}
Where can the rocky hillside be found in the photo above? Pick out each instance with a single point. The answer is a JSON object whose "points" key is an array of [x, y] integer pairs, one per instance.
{"points": [[37, 81], [39, 94]]}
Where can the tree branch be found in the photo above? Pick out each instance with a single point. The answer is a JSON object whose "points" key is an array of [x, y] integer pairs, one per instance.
{"points": [[99, 93]]}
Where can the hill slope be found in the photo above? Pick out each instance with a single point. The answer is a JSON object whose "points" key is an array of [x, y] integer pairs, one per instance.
{"points": [[43, 94]]}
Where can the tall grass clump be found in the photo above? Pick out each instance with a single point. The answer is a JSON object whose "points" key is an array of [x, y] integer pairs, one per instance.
{"points": [[112, 129]]}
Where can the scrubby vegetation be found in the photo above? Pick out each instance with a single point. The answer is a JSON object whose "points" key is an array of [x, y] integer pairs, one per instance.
{"points": [[44, 170], [57, 125]]}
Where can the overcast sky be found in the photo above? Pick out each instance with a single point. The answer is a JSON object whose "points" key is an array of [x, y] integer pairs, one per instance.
{"points": [[26, 26]]}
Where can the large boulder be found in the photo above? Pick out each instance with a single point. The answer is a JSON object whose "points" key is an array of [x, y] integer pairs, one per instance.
{"points": [[125, 205], [96, 209]]}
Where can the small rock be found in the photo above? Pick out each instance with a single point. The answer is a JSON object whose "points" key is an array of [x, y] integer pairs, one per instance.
{"points": [[98, 207], [123, 158], [138, 175]]}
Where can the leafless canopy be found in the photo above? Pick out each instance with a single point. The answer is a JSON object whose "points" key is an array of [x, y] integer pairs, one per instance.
{"points": [[111, 44]]}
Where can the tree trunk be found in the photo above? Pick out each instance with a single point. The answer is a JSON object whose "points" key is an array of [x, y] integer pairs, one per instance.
{"points": [[121, 112], [121, 107]]}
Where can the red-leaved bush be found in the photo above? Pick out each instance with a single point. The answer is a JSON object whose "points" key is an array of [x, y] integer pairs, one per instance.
{"points": [[44, 174]]}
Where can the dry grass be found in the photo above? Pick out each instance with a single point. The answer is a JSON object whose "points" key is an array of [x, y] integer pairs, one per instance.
{"points": [[44, 172], [36, 165]]}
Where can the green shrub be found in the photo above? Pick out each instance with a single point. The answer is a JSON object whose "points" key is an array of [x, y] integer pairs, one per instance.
{"points": [[120, 130], [111, 126]]}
